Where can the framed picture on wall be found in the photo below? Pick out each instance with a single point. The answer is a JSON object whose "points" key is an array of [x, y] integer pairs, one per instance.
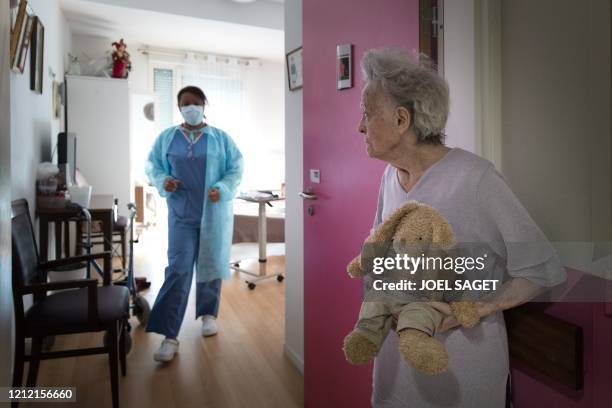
{"points": [[14, 11], [344, 66], [294, 69], [37, 56], [24, 41], [18, 14]]}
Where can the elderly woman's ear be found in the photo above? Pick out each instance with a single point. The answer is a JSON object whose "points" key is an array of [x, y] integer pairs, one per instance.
{"points": [[403, 119]]}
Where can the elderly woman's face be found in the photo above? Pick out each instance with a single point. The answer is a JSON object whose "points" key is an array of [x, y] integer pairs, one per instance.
{"points": [[377, 122]]}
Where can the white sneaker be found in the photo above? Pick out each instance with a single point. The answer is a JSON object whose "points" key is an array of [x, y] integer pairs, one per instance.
{"points": [[166, 351], [209, 325]]}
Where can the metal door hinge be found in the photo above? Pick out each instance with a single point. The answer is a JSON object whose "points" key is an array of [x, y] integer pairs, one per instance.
{"points": [[434, 22]]}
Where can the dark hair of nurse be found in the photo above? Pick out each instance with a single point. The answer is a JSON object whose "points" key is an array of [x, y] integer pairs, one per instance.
{"points": [[191, 95]]}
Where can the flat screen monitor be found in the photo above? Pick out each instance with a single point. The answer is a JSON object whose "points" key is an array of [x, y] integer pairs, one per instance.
{"points": [[66, 149]]}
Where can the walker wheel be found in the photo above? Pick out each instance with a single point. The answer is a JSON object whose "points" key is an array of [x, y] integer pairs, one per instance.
{"points": [[280, 278], [141, 310], [251, 285]]}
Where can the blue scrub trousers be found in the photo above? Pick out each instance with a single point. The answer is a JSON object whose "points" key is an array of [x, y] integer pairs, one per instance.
{"points": [[171, 302]]}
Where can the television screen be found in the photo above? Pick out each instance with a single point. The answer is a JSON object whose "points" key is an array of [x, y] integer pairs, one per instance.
{"points": [[66, 149]]}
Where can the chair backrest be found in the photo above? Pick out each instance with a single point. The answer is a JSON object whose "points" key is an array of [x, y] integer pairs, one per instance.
{"points": [[25, 253]]}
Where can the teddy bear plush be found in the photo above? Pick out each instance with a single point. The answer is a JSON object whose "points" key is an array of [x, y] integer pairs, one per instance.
{"points": [[415, 229]]}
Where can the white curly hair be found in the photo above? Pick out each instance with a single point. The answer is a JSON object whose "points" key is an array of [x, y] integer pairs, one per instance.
{"points": [[413, 83]]}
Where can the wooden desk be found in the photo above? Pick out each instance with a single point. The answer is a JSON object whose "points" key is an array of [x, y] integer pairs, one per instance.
{"points": [[101, 208]]}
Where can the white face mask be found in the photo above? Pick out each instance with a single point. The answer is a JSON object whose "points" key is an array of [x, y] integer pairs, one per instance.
{"points": [[193, 114]]}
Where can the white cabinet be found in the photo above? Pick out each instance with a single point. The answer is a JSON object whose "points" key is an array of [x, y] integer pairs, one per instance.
{"points": [[99, 115]]}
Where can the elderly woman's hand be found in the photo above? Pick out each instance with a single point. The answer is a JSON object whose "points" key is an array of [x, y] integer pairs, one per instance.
{"points": [[449, 321]]}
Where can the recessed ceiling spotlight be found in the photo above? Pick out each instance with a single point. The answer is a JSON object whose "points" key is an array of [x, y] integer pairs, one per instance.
{"points": [[244, 1]]}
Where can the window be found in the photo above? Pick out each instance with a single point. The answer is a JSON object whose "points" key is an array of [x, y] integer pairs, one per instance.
{"points": [[163, 86], [245, 100]]}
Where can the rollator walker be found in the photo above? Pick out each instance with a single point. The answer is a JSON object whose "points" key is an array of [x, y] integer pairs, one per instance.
{"points": [[139, 306]]}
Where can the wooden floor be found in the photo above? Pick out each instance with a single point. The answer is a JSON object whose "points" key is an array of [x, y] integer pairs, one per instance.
{"points": [[242, 366]]}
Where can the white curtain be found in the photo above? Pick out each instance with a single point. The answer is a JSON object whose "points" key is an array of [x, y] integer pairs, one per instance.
{"points": [[236, 90]]}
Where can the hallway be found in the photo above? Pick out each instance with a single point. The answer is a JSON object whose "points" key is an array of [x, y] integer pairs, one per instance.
{"points": [[242, 366]]}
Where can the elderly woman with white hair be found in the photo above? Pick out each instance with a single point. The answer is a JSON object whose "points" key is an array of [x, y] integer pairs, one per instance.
{"points": [[405, 106]]}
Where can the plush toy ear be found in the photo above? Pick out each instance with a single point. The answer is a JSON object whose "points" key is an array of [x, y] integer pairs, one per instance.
{"points": [[443, 235], [386, 230]]}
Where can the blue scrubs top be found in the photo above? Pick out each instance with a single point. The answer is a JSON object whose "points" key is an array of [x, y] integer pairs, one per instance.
{"points": [[187, 164], [224, 166]]}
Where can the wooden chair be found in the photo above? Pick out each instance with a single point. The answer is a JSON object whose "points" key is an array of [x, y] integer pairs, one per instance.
{"points": [[86, 308]]}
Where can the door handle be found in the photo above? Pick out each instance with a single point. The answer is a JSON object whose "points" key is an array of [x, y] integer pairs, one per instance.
{"points": [[308, 196]]}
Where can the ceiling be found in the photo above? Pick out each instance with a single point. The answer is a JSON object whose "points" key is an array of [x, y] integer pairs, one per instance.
{"points": [[173, 31]]}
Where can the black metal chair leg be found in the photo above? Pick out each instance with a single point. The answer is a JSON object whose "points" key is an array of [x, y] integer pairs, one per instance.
{"points": [[112, 359], [122, 347], [34, 361]]}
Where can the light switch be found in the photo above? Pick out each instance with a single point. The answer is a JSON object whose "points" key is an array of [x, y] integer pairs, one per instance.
{"points": [[315, 176]]}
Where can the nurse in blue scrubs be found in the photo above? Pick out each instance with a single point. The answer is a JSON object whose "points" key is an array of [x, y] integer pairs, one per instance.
{"points": [[198, 169]]}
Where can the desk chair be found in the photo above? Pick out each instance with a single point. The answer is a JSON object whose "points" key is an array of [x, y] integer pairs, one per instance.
{"points": [[86, 308]]}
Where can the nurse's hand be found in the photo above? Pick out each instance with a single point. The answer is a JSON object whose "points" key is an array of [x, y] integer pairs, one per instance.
{"points": [[171, 184], [214, 195]]}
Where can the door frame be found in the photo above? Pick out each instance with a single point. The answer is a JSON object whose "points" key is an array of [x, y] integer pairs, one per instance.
{"points": [[294, 208], [488, 80], [430, 20]]}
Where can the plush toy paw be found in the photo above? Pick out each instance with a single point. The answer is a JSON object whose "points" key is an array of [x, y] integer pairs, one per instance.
{"points": [[465, 313], [354, 268], [358, 349], [422, 351]]}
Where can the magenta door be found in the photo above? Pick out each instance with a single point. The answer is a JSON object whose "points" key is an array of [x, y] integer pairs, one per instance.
{"points": [[348, 187]]}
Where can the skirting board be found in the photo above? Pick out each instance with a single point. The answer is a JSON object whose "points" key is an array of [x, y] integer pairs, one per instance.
{"points": [[294, 358]]}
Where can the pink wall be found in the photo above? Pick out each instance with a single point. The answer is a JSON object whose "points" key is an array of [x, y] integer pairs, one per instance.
{"points": [[531, 389], [349, 185]]}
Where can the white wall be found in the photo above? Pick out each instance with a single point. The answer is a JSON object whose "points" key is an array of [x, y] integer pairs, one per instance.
{"points": [[33, 130], [294, 221], [6, 301], [266, 97], [459, 70], [553, 101], [557, 148]]}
